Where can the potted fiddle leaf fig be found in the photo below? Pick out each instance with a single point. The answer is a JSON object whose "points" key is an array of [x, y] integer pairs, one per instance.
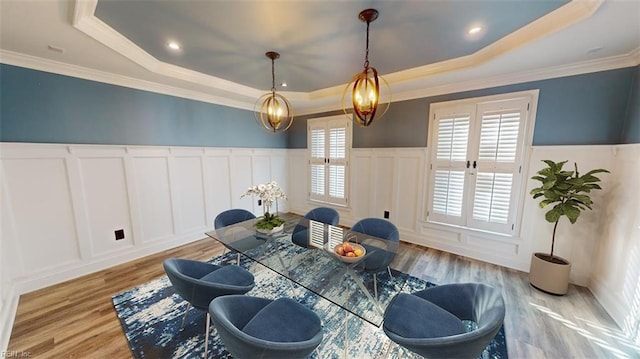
{"points": [[568, 193]]}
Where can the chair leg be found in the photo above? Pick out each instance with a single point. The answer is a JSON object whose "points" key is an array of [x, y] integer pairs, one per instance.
{"points": [[389, 270], [185, 315], [238, 259], [206, 335], [375, 285]]}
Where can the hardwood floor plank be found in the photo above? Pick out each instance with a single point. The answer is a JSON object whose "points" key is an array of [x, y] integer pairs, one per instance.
{"points": [[76, 319]]}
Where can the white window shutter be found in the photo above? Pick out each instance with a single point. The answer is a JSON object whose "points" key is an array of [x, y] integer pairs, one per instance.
{"points": [[317, 160], [476, 154], [449, 157], [329, 141], [499, 159]]}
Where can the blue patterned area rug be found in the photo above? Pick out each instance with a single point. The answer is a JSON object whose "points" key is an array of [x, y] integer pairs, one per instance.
{"points": [[151, 316]]}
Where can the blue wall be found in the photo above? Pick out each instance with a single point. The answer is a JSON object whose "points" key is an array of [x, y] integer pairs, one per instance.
{"points": [[38, 106], [631, 130], [35, 106], [587, 109]]}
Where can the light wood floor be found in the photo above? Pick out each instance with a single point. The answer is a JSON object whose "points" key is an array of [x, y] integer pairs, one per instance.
{"points": [[76, 319]]}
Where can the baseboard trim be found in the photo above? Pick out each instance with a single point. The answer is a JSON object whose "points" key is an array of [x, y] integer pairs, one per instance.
{"points": [[7, 317], [609, 301], [87, 267]]}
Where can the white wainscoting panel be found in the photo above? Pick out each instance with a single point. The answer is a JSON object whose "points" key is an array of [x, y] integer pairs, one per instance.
{"points": [[106, 199], [242, 175], [188, 186], [384, 176], [41, 207], [217, 169], [362, 187], [62, 203], [298, 179], [616, 270], [388, 179], [409, 186], [279, 173], [154, 198], [261, 168]]}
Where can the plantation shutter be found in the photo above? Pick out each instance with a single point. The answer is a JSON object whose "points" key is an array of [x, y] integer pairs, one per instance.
{"points": [[476, 162], [497, 178], [337, 161], [317, 144], [448, 165], [329, 140]]}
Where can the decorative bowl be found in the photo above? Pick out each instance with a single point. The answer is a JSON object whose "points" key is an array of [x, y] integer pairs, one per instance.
{"points": [[271, 231], [355, 248]]}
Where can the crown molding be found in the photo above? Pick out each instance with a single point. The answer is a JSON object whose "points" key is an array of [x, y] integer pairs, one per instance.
{"points": [[591, 66], [605, 64], [60, 68], [326, 99]]}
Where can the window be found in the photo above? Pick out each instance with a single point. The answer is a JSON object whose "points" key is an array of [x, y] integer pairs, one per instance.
{"points": [[476, 162], [329, 142]]}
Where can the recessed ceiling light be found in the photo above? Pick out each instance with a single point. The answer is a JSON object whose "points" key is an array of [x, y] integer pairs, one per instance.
{"points": [[474, 30], [173, 45], [284, 84]]}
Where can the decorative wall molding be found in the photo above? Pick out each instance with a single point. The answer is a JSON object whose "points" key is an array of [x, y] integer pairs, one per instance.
{"points": [[201, 182], [62, 202], [616, 267]]}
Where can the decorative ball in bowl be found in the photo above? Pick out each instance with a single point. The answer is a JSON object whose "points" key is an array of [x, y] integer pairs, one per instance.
{"points": [[349, 252]]}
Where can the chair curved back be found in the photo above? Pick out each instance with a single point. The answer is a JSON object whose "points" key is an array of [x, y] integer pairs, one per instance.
{"points": [[380, 228], [480, 303], [321, 214], [232, 216], [243, 323], [189, 278]]}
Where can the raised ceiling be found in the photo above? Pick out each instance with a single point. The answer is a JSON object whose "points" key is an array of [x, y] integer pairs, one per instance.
{"points": [[321, 43], [421, 47]]}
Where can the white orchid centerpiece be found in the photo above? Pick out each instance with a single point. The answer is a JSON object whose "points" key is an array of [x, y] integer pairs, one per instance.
{"points": [[268, 193]]}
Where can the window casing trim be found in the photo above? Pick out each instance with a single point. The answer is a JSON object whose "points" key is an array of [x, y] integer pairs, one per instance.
{"points": [[526, 146], [329, 141]]}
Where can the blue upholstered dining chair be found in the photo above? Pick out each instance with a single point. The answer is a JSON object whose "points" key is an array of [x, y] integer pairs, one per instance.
{"points": [[199, 283], [377, 259], [253, 327], [300, 235], [429, 322], [230, 217]]}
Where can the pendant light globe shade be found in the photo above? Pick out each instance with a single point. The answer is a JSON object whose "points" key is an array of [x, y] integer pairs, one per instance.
{"points": [[367, 95], [272, 111]]}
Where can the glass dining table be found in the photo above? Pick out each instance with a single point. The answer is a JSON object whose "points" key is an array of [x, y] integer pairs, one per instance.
{"points": [[316, 267]]}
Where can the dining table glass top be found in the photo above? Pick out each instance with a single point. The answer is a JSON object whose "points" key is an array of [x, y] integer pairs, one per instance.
{"points": [[317, 267]]}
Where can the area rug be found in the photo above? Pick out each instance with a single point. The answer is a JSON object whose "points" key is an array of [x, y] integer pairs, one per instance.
{"points": [[151, 316]]}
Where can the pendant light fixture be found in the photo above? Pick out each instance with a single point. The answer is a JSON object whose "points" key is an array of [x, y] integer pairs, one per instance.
{"points": [[273, 111], [364, 87]]}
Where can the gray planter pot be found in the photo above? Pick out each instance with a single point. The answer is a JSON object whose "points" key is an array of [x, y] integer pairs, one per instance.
{"points": [[549, 276]]}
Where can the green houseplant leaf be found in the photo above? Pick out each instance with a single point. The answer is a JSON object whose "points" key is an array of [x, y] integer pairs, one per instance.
{"points": [[567, 191]]}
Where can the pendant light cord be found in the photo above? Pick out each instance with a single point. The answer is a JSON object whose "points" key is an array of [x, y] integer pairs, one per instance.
{"points": [[273, 76], [366, 54]]}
